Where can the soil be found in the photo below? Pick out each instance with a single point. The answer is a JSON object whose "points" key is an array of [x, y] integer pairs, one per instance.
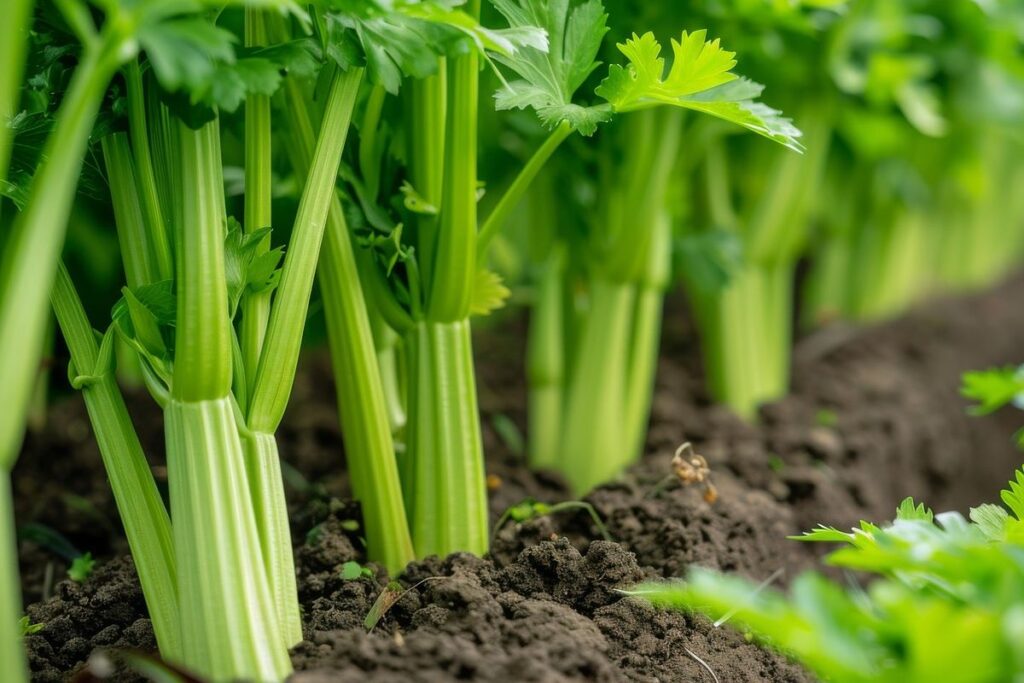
{"points": [[874, 416]]}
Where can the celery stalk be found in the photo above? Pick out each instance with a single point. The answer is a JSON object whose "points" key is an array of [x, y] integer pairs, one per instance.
{"points": [[443, 473], [146, 523], [230, 628]]}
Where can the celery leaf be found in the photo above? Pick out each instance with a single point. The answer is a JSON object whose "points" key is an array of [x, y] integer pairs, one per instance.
{"points": [[489, 293], [993, 388], [548, 78], [700, 79]]}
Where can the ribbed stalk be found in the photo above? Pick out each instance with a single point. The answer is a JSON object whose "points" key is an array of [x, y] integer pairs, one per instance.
{"points": [[366, 430], [515, 192], [545, 366], [444, 466], [428, 105], [133, 235], [594, 439], [745, 337], [148, 195], [12, 649], [258, 204], [263, 464], [229, 625], [142, 511], [202, 368], [163, 145], [280, 355], [643, 363], [646, 335], [450, 283], [37, 236], [889, 272]]}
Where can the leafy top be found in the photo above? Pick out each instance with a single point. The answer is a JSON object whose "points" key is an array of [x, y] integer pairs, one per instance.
{"points": [[548, 78], [406, 37], [700, 79]]}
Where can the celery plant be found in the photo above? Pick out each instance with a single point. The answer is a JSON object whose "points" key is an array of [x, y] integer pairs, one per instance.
{"points": [[223, 401], [229, 626], [436, 335], [930, 125], [230, 560], [607, 367], [442, 467]]}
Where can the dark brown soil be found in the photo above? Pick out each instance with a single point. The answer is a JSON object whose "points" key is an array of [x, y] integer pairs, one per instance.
{"points": [[874, 416]]}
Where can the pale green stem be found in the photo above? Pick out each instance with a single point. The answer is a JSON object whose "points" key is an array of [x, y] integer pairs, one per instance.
{"points": [[450, 284], [267, 491], [280, 355], [593, 442], [133, 236], [388, 346], [149, 198], [229, 625], [258, 205], [545, 365], [366, 431], [14, 32], [146, 523], [444, 466], [492, 226]]}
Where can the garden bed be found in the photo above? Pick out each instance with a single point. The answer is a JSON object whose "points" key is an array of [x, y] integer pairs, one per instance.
{"points": [[874, 416]]}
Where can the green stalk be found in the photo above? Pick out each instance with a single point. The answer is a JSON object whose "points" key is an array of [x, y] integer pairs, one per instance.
{"points": [[444, 482], [450, 285], [545, 364], [133, 236], [594, 440], [142, 511], [13, 39], [229, 624], [263, 466], [515, 192], [428, 104], [646, 340], [12, 650], [34, 243], [258, 203], [363, 412], [159, 235], [366, 430], [745, 330], [387, 343], [163, 145], [280, 354], [202, 368]]}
